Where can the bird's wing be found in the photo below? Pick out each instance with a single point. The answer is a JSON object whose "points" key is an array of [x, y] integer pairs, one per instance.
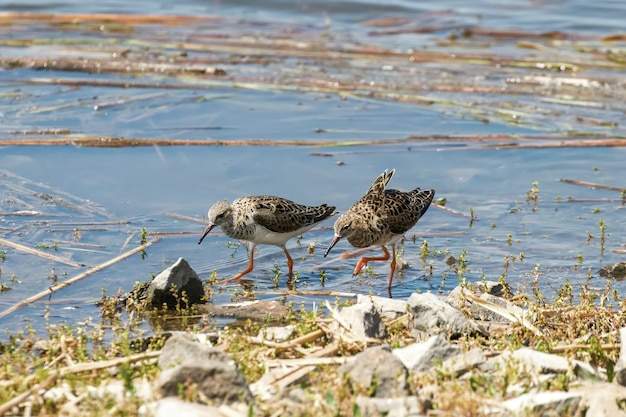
{"points": [[403, 210], [285, 216], [379, 184]]}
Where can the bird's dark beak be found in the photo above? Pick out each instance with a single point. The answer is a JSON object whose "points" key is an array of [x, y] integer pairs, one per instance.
{"points": [[206, 232], [332, 243]]}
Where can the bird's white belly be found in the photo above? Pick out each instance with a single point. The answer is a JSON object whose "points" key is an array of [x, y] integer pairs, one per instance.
{"points": [[265, 236]]}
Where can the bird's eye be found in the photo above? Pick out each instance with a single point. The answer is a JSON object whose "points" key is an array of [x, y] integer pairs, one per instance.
{"points": [[346, 227]]}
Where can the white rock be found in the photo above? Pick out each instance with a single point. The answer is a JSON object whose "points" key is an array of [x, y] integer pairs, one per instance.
{"points": [[547, 403], [378, 368], [529, 360], [419, 357], [277, 334], [189, 348], [60, 393], [389, 308], [363, 321], [430, 314]]}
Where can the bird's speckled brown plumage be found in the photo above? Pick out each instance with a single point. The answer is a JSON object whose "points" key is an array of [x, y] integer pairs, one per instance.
{"points": [[265, 220], [381, 217]]}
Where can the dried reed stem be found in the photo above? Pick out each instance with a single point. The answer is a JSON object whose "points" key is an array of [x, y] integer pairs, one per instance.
{"points": [[70, 281]]}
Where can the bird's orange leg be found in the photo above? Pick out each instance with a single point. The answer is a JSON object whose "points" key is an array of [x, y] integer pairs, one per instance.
{"points": [[245, 271], [393, 267], [363, 261], [289, 264]]}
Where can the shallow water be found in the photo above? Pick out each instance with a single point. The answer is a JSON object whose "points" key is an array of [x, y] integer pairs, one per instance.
{"points": [[142, 186]]}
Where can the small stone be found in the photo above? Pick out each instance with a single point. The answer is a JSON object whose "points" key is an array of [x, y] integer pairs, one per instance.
{"points": [[179, 278], [188, 348], [532, 361], [390, 308], [363, 321], [431, 315], [186, 361], [216, 381], [378, 365], [529, 360], [420, 357], [540, 362], [277, 334], [545, 404]]}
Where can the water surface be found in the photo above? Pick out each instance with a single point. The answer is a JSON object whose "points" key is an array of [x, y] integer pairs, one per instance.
{"points": [[115, 193]]}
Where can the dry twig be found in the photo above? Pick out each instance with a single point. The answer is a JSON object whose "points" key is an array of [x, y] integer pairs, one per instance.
{"points": [[593, 185], [39, 253], [70, 281]]}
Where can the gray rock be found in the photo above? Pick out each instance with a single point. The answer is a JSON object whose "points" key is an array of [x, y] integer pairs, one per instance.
{"points": [[188, 348], [431, 315], [214, 374], [378, 369], [620, 366], [179, 278], [391, 407], [529, 360], [363, 321], [540, 362], [420, 357], [532, 361], [219, 382], [545, 404], [390, 308]]}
